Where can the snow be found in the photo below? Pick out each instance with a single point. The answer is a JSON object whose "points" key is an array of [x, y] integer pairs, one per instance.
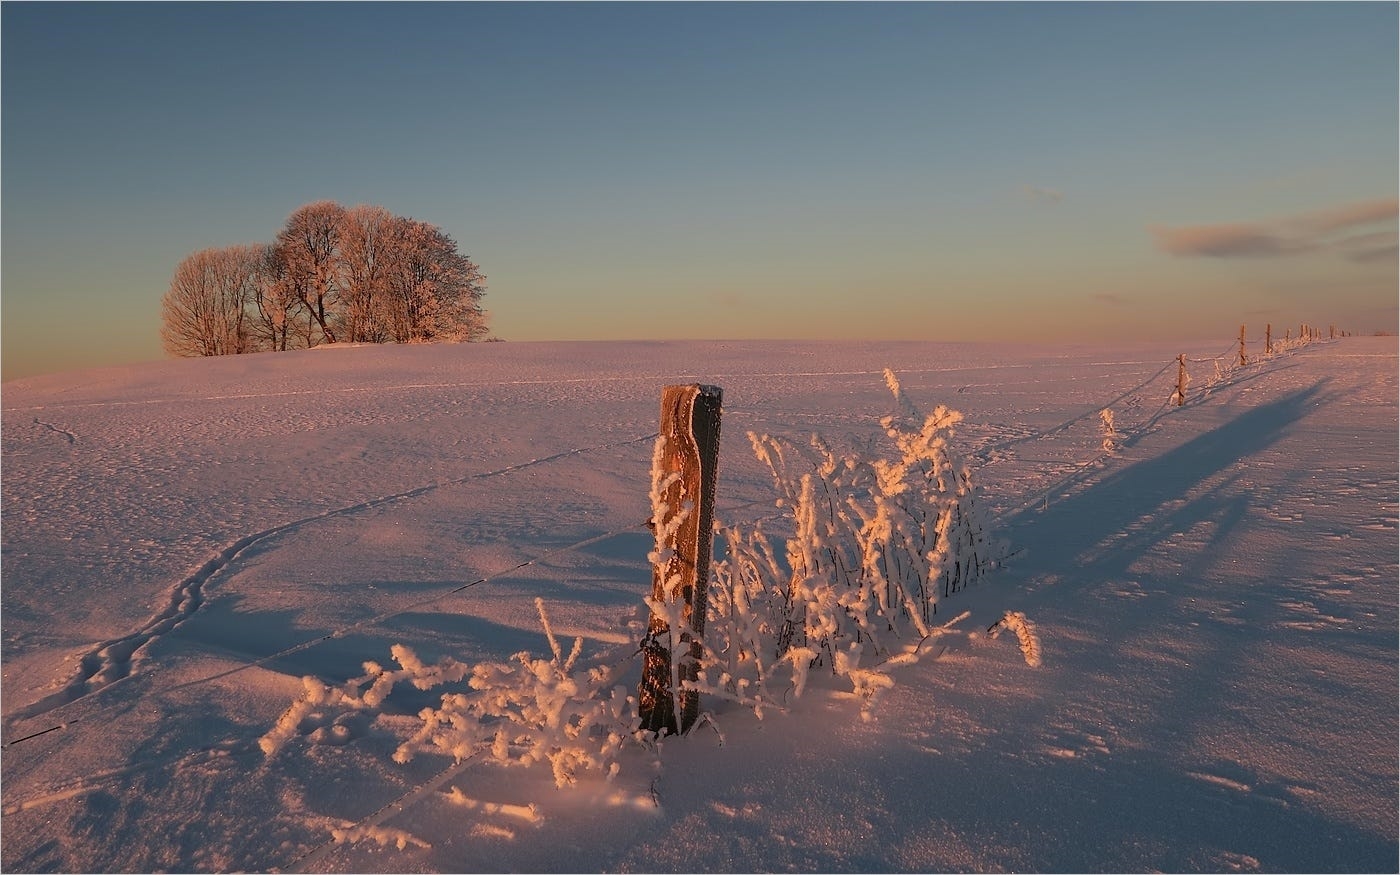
{"points": [[1213, 602]]}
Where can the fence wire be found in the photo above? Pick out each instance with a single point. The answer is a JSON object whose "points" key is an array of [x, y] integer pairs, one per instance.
{"points": [[316, 853]]}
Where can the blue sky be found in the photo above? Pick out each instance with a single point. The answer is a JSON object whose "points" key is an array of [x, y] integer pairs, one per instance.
{"points": [[945, 171]]}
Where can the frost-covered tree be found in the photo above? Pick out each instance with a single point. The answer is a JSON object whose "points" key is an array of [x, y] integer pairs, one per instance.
{"points": [[279, 321], [369, 251], [205, 312], [361, 275], [434, 290], [310, 247]]}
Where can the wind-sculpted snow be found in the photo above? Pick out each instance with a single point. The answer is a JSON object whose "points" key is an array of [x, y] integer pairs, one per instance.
{"points": [[1212, 602]]}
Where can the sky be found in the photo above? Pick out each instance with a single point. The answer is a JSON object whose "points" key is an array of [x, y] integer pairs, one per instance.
{"points": [[942, 171]]}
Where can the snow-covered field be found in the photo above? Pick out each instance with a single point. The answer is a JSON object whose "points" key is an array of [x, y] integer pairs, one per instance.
{"points": [[1216, 601]]}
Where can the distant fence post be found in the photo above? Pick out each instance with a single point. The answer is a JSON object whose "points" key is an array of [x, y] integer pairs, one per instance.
{"points": [[1269, 339], [1244, 360], [1331, 332], [689, 446], [1181, 379]]}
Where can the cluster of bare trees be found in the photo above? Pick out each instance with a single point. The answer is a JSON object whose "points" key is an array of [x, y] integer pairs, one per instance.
{"points": [[357, 275]]}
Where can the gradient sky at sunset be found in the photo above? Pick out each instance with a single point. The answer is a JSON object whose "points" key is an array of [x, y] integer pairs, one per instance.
{"points": [[931, 171]]}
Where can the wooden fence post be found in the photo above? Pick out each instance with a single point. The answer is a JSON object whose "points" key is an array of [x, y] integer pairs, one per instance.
{"points": [[1181, 379], [1244, 360], [1269, 339], [689, 446]]}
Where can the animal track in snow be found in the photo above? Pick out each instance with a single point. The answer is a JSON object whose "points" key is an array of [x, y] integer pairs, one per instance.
{"points": [[116, 659]]}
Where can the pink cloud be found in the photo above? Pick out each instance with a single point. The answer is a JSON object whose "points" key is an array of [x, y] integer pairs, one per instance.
{"points": [[1292, 235]]}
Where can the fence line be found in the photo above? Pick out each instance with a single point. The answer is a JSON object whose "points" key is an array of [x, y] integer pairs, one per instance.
{"points": [[398, 805], [1133, 432], [1136, 431], [301, 863], [79, 785]]}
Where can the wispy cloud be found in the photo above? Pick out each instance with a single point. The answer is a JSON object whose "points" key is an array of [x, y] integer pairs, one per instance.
{"points": [[1291, 235], [1389, 253], [1040, 195], [1348, 216], [1229, 241], [1380, 246]]}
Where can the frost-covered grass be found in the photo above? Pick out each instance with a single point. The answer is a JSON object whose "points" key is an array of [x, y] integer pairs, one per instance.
{"points": [[1212, 603], [876, 538], [518, 713], [876, 541]]}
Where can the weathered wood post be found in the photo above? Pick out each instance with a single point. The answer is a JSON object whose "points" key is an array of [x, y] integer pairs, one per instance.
{"points": [[1244, 360], [1181, 379], [1269, 339], [684, 472], [1331, 332]]}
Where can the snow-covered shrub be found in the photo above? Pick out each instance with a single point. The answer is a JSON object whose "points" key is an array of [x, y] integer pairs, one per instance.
{"points": [[534, 710], [515, 713], [366, 693], [878, 538]]}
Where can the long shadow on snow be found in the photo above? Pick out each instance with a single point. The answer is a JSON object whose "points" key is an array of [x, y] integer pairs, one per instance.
{"points": [[196, 794], [249, 636], [1001, 806], [1096, 525], [1181, 665]]}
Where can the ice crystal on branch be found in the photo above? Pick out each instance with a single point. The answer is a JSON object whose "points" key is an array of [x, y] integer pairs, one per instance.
{"points": [[878, 539], [514, 713], [1110, 432], [1024, 629]]}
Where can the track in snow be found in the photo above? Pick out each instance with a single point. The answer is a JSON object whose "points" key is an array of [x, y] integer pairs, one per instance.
{"points": [[115, 660]]}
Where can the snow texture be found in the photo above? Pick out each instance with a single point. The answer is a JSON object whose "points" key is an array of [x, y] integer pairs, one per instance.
{"points": [[1213, 602]]}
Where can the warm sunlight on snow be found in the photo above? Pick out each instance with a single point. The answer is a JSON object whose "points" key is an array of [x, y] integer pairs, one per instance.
{"points": [[240, 594]]}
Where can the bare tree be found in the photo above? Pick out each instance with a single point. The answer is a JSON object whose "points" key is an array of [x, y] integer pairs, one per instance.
{"points": [[205, 311], [309, 244], [435, 291], [459, 285], [368, 250], [279, 320], [362, 274]]}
